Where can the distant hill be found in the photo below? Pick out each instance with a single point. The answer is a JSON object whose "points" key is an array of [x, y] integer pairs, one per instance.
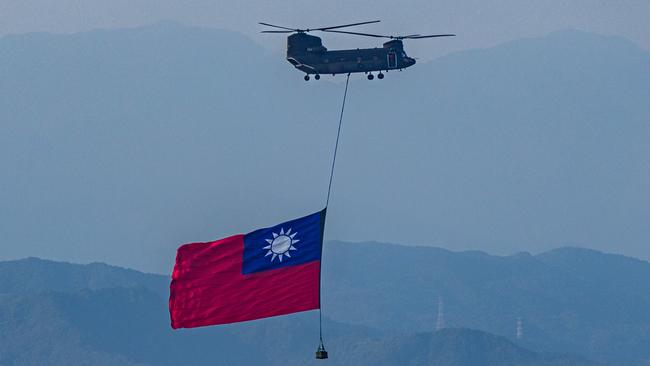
{"points": [[379, 301], [569, 299], [128, 325], [120, 145], [457, 347], [34, 275]]}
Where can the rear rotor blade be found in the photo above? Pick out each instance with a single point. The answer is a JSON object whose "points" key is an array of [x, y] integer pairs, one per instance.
{"points": [[346, 25], [430, 36], [359, 34], [277, 26]]}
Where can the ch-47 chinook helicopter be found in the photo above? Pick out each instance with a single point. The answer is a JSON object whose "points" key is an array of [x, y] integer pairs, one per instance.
{"points": [[307, 53]]}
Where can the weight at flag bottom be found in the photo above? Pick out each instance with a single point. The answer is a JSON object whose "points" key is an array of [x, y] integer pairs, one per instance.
{"points": [[268, 272]]}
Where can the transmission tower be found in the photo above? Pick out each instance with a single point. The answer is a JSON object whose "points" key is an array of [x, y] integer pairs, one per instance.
{"points": [[440, 321]]}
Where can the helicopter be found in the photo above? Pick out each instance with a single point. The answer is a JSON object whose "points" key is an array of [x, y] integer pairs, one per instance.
{"points": [[307, 53]]}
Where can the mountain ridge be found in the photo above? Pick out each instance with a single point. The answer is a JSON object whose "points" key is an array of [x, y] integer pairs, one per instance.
{"points": [[470, 253], [557, 293], [127, 324]]}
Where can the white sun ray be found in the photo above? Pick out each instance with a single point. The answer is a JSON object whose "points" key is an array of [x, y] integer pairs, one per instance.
{"points": [[274, 255], [292, 248], [287, 254], [275, 235], [289, 232], [292, 235], [268, 253]]}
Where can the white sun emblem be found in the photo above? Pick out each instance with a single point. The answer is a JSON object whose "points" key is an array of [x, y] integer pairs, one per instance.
{"points": [[281, 244]]}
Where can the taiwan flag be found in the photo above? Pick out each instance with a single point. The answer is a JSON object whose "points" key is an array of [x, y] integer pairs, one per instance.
{"points": [[268, 272]]}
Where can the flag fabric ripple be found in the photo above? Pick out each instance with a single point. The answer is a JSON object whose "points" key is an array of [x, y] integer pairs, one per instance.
{"points": [[268, 272]]}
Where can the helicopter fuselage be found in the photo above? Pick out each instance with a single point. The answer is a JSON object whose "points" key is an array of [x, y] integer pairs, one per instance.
{"points": [[307, 54]]}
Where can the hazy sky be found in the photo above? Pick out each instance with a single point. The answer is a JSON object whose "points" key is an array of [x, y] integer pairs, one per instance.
{"points": [[478, 23], [533, 145]]}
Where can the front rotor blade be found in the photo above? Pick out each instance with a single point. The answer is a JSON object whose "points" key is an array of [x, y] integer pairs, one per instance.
{"points": [[277, 26], [346, 25], [430, 36], [359, 34], [277, 31]]}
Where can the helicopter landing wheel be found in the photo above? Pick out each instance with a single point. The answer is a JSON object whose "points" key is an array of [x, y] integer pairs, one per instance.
{"points": [[380, 76], [371, 76], [317, 77], [306, 77]]}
